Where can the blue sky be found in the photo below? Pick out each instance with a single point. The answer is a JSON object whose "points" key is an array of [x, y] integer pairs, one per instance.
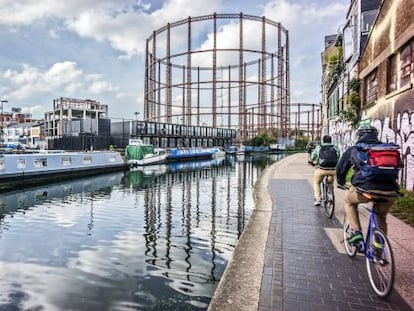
{"points": [[95, 49]]}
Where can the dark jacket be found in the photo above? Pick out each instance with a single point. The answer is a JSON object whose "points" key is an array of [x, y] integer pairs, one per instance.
{"points": [[350, 160]]}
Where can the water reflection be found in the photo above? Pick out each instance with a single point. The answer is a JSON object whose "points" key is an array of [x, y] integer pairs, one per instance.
{"points": [[157, 238], [21, 200]]}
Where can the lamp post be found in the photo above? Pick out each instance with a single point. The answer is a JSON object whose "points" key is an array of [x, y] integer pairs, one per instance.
{"points": [[136, 113], [2, 118]]}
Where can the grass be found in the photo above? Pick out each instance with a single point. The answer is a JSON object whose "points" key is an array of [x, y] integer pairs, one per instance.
{"points": [[403, 207]]}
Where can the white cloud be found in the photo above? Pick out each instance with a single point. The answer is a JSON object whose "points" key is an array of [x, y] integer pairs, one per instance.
{"points": [[36, 109], [61, 73], [99, 87], [304, 18], [53, 34], [124, 24], [127, 32], [66, 76], [307, 23], [25, 12]]}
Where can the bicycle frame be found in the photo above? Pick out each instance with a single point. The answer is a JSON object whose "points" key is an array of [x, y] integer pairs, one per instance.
{"points": [[375, 247], [372, 224]]}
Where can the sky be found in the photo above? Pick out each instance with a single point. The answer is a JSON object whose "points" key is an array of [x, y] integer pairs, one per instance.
{"points": [[95, 49]]}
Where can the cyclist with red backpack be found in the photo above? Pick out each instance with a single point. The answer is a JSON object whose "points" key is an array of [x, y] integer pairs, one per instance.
{"points": [[325, 158], [370, 165]]}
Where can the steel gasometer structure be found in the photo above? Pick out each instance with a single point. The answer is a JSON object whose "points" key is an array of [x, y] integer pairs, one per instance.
{"points": [[219, 70]]}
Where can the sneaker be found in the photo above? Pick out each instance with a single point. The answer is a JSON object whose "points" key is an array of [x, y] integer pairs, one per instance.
{"points": [[317, 202], [356, 237]]}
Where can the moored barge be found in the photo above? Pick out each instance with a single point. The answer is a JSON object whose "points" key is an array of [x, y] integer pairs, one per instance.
{"points": [[33, 168]]}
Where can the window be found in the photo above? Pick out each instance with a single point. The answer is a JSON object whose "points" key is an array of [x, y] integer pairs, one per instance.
{"points": [[151, 128], [405, 63], [21, 163], [66, 161], [392, 73], [40, 162], [368, 18], [371, 87], [87, 160]]}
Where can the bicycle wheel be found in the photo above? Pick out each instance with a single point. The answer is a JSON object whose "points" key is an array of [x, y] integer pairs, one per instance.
{"points": [[323, 192], [329, 203], [351, 249], [380, 264]]}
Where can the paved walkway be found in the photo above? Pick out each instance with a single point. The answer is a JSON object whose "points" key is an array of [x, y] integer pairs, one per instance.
{"points": [[291, 257]]}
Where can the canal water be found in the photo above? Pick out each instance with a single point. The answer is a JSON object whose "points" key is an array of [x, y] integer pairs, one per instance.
{"points": [[152, 239]]}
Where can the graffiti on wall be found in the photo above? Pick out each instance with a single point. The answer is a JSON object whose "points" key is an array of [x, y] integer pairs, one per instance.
{"points": [[402, 134]]}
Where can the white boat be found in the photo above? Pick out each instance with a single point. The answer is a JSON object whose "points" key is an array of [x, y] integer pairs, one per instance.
{"points": [[241, 150], [48, 165], [277, 148], [139, 154], [218, 152], [151, 170], [231, 150]]}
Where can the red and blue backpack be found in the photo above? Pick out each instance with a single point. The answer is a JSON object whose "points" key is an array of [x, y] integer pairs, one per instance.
{"points": [[379, 162]]}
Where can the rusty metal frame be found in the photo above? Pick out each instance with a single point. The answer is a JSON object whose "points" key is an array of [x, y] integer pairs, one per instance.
{"points": [[255, 70]]}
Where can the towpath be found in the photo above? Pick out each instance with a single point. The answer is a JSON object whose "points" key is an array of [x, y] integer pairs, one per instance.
{"points": [[291, 257]]}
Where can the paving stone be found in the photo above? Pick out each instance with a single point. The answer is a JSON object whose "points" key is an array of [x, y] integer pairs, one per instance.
{"points": [[308, 271]]}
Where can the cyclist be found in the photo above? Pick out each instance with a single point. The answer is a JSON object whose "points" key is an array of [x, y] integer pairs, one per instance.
{"points": [[348, 165], [310, 147], [324, 157]]}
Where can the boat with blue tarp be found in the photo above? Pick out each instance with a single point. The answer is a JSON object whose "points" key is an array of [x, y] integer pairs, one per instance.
{"points": [[188, 154], [254, 149]]}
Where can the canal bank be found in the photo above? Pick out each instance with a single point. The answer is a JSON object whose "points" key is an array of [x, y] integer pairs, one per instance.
{"points": [[290, 256]]}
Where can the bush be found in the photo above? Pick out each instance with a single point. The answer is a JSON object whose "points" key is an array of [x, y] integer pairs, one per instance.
{"points": [[403, 207], [261, 140]]}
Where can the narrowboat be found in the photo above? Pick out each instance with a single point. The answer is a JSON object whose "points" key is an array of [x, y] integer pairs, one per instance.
{"points": [[36, 167], [188, 154]]}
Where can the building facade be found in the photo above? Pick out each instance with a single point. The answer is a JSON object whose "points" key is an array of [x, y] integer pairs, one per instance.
{"points": [[72, 117], [386, 72], [340, 81], [19, 128]]}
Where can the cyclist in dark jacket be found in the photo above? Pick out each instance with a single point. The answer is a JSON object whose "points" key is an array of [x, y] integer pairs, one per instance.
{"points": [[348, 162]]}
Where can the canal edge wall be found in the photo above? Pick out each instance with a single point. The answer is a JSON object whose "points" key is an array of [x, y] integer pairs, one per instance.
{"points": [[239, 287]]}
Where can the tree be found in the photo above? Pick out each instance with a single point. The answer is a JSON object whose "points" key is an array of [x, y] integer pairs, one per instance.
{"points": [[353, 109], [263, 139]]}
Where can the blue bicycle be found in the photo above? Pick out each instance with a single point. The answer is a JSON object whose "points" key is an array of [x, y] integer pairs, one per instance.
{"points": [[376, 248]]}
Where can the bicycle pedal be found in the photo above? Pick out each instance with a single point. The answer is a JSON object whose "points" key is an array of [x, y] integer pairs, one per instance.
{"points": [[380, 261]]}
